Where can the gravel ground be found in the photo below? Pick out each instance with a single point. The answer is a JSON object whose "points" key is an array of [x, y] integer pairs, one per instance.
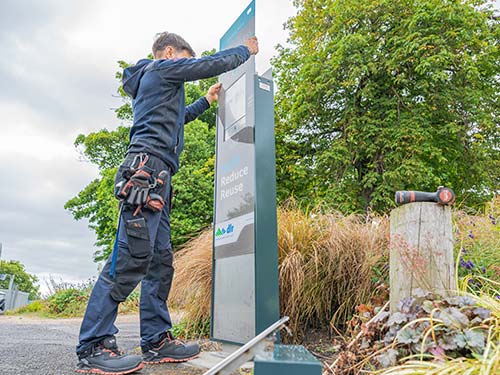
{"points": [[34, 346]]}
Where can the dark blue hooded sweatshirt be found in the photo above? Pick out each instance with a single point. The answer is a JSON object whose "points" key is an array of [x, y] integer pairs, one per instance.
{"points": [[157, 90]]}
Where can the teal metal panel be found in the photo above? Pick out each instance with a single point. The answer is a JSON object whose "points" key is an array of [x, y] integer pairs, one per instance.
{"points": [[266, 236], [238, 27], [287, 360]]}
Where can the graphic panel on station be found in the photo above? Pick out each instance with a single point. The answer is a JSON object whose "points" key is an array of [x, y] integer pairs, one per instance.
{"points": [[233, 308]]}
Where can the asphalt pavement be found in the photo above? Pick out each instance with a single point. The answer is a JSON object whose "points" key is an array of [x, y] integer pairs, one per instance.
{"points": [[34, 346]]}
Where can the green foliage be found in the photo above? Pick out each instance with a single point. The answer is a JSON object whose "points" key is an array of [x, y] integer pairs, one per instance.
{"points": [[195, 90], [104, 148], [453, 336], [131, 304], [456, 327], [178, 330], [37, 306], [97, 203], [486, 364], [460, 329], [192, 205], [68, 302], [191, 330], [477, 240], [193, 184], [384, 95], [67, 299], [25, 282]]}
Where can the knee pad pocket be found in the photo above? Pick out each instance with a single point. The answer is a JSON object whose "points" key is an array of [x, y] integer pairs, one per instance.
{"points": [[129, 273]]}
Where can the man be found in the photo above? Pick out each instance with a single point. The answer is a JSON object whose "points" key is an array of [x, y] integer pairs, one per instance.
{"points": [[142, 250]]}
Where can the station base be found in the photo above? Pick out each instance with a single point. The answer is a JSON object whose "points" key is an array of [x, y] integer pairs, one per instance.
{"points": [[287, 360]]}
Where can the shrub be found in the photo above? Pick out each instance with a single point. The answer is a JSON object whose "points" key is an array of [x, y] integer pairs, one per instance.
{"points": [[72, 301], [458, 341], [67, 299], [451, 327], [131, 304], [68, 302], [55, 286], [428, 335], [37, 306]]}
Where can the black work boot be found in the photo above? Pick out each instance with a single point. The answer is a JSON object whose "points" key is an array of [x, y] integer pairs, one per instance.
{"points": [[169, 349], [104, 358]]}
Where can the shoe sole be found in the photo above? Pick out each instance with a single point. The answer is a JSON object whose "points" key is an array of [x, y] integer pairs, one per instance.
{"points": [[170, 360], [102, 372]]}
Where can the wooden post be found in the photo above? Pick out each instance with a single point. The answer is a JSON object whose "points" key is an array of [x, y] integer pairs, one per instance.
{"points": [[421, 255]]}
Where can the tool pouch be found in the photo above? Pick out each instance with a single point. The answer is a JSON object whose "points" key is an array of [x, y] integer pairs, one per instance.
{"points": [[155, 202], [134, 186], [156, 197]]}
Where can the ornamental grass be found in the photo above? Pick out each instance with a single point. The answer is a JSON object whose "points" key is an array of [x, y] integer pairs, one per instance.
{"points": [[328, 264], [191, 289]]}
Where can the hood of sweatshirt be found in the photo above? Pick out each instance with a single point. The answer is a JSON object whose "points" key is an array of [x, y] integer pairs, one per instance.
{"points": [[132, 77]]}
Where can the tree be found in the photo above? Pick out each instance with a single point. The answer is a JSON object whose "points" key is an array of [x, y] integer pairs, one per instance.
{"points": [[383, 95], [193, 184], [192, 205], [25, 282], [97, 203]]}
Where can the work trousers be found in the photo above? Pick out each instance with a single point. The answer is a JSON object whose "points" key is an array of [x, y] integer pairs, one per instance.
{"points": [[135, 262]]}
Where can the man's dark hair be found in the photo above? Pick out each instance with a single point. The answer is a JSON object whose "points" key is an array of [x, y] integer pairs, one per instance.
{"points": [[173, 40]]}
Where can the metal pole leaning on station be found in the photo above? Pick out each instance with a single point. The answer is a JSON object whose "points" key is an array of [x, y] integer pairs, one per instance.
{"points": [[248, 351]]}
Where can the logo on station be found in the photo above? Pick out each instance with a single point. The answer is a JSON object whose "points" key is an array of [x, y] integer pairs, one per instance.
{"points": [[222, 231]]}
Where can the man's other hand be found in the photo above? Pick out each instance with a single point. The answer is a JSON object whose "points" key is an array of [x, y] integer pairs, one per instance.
{"points": [[213, 93], [253, 45]]}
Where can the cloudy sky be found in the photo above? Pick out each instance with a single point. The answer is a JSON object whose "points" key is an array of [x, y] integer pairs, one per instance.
{"points": [[57, 67]]}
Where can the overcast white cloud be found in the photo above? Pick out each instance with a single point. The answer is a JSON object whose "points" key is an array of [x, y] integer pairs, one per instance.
{"points": [[57, 66]]}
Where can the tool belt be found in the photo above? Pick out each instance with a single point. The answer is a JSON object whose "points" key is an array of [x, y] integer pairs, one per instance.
{"points": [[139, 188]]}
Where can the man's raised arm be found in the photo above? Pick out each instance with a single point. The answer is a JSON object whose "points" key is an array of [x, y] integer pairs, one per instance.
{"points": [[185, 69]]}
